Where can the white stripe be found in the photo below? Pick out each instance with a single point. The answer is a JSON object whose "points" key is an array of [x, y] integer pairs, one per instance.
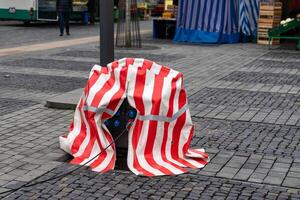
{"points": [[112, 91], [164, 107], [147, 93], [195, 154], [171, 126], [157, 150], [104, 143], [166, 94], [67, 143], [147, 100], [105, 162], [155, 68], [94, 69], [131, 78], [182, 140], [87, 137], [140, 150], [94, 152], [157, 147], [97, 87], [130, 157], [138, 62]]}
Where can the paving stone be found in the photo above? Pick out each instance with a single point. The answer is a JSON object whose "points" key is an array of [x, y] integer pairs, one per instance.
{"points": [[247, 137], [242, 98], [291, 182], [265, 78], [119, 55], [41, 82], [243, 174], [267, 63], [244, 153], [273, 180]]}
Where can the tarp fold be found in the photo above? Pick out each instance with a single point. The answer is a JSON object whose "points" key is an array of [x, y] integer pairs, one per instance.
{"points": [[159, 138]]}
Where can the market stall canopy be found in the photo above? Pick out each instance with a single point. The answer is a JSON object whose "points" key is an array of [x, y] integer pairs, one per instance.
{"points": [[160, 136], [218, 21]]}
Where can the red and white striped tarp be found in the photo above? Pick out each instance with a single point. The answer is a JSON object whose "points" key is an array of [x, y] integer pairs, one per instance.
{"points": [[160, 136]]}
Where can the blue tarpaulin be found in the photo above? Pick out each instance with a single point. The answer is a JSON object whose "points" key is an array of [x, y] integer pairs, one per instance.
{"points": [[217, 21]]}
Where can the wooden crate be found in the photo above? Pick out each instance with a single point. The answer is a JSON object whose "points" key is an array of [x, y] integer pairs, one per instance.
{"points": [[264, 41], [269, 17], [262, 37]]}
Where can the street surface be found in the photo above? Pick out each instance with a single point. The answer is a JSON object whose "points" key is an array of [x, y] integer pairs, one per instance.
{"points": [[244, 100]]}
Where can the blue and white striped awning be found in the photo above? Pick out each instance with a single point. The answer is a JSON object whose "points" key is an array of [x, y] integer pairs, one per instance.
{"points": [[248, 14], [216, 21]]}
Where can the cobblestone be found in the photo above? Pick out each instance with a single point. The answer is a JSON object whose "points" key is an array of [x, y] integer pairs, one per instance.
{"points": [[266, 63], [50, 64], [40, 82], [243, 123], [265, 78], [11, 105], [242, 98], [195, 186], [128, 54], [282, 55]]}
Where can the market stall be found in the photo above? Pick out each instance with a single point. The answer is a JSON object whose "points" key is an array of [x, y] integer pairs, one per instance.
{"points": [[203, 21]]}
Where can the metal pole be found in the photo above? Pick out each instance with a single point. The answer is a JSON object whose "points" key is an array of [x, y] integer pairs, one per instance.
{"points": [[128, 23], [106, 32]]}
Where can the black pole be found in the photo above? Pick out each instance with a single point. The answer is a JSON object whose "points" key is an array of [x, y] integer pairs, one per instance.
{"points": [[106, 31]]}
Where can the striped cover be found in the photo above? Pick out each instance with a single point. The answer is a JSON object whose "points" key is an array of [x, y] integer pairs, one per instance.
{"points": [[207, 21], [217, 21], [248, 15], [160, 136]]}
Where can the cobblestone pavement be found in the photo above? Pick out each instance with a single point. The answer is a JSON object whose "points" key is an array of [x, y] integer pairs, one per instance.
{"points": [[244, 100]]}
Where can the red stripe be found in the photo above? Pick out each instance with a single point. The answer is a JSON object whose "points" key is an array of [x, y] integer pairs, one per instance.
{"points": [[91, 81], [112, 162], [152, 127], [205, 155], [166, 126], [116, 98], [110, 166], [129, 61], [137, 96], [188, 142], [103, 155], [139, 90], [82, 134], [182, 102], [88, 150], [97, 99], [106, 87], [149, 149], [201, 161], [112, 105], [147, 64], [177, 130], [71, 125], [172, 96], [80, 137], [163, 149], [175, 141], [182, 97], [135, 138]]}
